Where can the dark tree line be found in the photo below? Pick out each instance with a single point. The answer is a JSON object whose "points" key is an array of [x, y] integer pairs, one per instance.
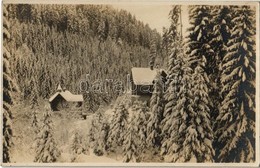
{"points": [[100, 21]]}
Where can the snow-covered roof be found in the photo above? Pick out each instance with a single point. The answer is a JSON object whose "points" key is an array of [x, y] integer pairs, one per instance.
{"points": [[143, 76], [68, 96]]}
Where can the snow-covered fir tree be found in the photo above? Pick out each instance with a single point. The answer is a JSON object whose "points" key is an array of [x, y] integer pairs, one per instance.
{"points": [[103, 30], [130, 146], [174, 31], [173, 111], [199, 136], [104, 136], [199, 37], [91, 135], [198, 141], [76, 146], [156, 113], [34, 98], [98, 134], [191, 135], [173, 79], [9, 88], [166, 41], [46, 147], [222, 16], [222, 25], [236, 119], [153, 51], [94, 128], [175, 122], [117, 127], [174, 82], [135, 137], [174, 61], [7, 132], [188, 124], [35, 123], [221, 20]]}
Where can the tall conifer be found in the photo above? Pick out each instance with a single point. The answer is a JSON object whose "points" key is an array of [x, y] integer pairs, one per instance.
{"points": [[236, 119]]}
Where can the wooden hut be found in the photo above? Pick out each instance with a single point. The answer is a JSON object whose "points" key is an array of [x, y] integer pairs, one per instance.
{"points": [[142, 80], [63, 99]]}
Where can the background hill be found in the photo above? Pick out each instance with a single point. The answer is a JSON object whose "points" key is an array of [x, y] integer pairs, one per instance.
{"points": [[55, 44]]}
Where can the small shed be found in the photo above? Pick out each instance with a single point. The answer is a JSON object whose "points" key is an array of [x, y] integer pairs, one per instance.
{"points": [[142, 81], [65, 99]]}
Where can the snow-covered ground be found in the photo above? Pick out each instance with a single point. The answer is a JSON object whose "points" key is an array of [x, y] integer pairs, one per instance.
{"points": [[65, 125]]}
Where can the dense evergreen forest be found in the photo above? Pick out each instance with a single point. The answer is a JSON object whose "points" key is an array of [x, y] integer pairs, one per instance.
{"points": [[206, 114], [56, 44]]}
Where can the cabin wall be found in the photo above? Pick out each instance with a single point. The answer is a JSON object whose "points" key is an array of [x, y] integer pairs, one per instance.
{"points": [[145, 90], [59, 103]]}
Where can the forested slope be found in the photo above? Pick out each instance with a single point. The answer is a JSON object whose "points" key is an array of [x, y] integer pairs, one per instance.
{"points": [[56, 44], [206, 114]]}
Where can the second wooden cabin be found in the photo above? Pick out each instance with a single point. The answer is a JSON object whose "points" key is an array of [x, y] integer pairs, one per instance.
{"points": [[142, 80]]}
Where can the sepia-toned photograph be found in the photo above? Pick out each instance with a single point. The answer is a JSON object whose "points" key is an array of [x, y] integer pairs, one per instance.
{"points": [[128, 82]]}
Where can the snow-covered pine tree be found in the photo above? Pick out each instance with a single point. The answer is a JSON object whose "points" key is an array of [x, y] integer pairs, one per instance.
{"points": [[199, 133], [197, 145], [222, 16], [174, 124], [130, 147], [156, 114], [166, 40], [200, 36], [135, 136], [188, 125], [90, 135], [104, 135], [103, 30], [201, 55], [46, 148], [174, 82], [9, 88], [98, 134], [191, 136], [220, 35], [236, 120], [174, 64], [93, 132], [76, 146], [153, 52], [118, 127], [173, 79], [35, 121], [34, 95], [222, 25], [7, 132], [174, 31]]}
